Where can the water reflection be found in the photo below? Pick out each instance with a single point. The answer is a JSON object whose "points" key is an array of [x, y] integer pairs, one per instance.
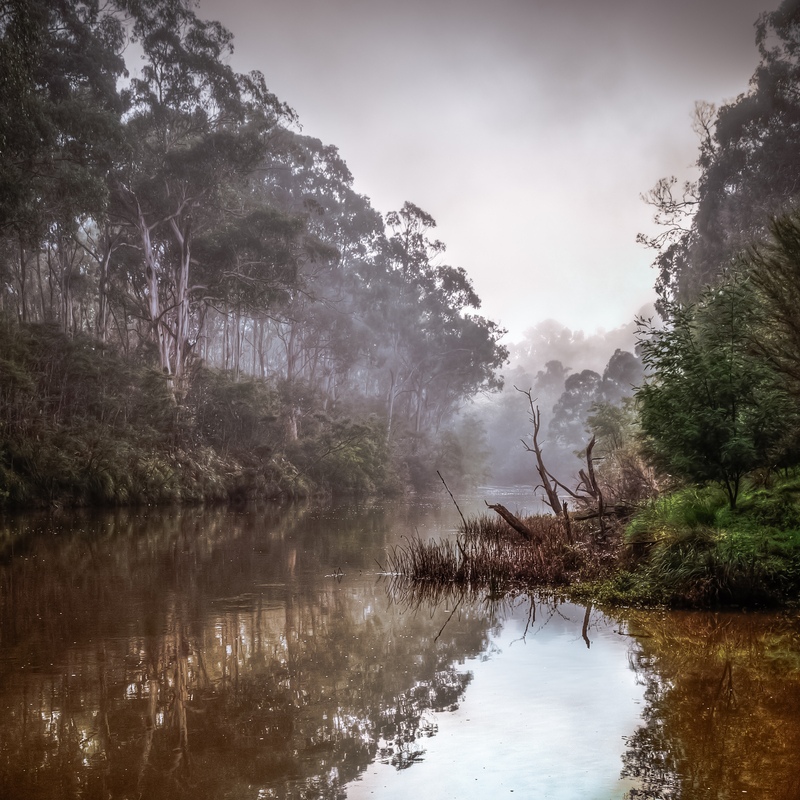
{"points": [[544, 715], [192, 653], [257, 654], [723, 706]]}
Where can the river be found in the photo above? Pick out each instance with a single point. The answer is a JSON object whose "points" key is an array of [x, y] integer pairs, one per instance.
{"points": [[258, 653]]}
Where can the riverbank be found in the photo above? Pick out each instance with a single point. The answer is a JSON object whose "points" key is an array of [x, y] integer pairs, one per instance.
{"points": [[688, 549], [83, 425]]}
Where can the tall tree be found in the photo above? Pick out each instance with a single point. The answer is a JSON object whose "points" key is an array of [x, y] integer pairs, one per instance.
{"points": [[59, 126], [325, 319], [436, 352], [567, 427], [623, 373], [749, 164], [710, 409], [773, 270], [195, 128]]}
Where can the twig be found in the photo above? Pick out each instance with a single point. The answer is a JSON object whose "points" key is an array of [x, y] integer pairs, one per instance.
{"points": [[453, 499], [451, 613]]}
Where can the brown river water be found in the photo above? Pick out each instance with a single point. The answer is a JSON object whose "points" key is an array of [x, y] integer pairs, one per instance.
{"points": [[259, 653]]}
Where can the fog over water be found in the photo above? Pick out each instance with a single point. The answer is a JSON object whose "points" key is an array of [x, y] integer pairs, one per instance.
{"points": [[527, 129]]}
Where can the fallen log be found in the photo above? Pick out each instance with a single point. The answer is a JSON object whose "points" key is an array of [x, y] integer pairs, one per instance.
{"points": [[619, 511], [515, 522]]}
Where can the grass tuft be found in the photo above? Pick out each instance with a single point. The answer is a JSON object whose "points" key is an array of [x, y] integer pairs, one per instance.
{"points": [[487, 553]]}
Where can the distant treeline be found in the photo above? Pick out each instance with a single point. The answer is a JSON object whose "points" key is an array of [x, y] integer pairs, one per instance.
{"points": [[181, 268], [581, 384]]}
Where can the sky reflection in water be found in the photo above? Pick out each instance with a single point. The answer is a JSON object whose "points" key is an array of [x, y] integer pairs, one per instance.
{"points": [[241, 654], [544, 716]]}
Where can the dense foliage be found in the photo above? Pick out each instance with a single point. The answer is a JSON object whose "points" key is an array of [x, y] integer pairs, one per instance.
{"points": [[713, 409], [749, 169], [721, 396], [719, 410], [173, 222], [689, 548]]}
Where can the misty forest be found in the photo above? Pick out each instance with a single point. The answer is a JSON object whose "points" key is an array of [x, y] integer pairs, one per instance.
{"points": [[197, 306], [279, 503]]}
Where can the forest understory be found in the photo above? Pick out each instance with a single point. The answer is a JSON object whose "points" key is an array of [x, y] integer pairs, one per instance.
{"points": [[80, 425]]}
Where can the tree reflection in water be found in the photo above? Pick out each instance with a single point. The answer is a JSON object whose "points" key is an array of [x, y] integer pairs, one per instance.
{"points": [[723, 706], [196, 653]]}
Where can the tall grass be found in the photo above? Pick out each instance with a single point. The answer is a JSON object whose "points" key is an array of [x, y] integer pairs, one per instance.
{"points": [[487, 553]]}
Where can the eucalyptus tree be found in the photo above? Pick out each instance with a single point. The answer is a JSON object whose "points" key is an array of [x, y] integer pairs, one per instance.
{"points": [[248, 265], [59, 131], [567, 427], [621, 376], [321, 330], [195, 130], [436, 352], [749, 164], [773, 269], [403, 347]]}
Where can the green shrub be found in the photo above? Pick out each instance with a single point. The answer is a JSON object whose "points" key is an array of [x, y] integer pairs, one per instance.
{"points": [[344, 456], [670, 515], [691, 548]]}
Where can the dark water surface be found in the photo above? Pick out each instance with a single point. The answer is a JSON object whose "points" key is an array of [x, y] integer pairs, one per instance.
{"points": [[191, 653]]}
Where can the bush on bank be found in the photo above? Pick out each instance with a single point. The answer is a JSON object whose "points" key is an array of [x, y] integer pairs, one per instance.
{"points": [[690, 549], [80, 425]]}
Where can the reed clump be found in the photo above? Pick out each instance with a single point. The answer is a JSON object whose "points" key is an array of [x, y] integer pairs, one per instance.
{"points": [[486, 552]]}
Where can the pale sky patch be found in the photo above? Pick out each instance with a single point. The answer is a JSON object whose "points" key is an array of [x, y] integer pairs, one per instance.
{"points": [[527, 128]]}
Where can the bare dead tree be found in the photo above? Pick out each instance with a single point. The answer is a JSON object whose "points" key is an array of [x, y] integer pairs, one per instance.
{"points": [[548, 483], [588, 495]]}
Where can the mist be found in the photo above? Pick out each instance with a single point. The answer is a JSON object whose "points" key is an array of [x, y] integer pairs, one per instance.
{"points": [[528, 130], [572, 376]]}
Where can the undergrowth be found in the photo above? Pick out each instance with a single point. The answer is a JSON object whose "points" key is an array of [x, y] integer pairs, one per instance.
{"points": [[488, 553], [82, 425], [690, 549]]}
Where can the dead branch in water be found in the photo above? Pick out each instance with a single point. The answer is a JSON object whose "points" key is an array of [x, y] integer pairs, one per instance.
{"points": [[515, 522], [452, 498], [587, 494]]}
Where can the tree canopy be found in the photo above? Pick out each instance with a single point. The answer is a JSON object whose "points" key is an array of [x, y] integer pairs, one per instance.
{"points": [[176, 214], [749, 162]]}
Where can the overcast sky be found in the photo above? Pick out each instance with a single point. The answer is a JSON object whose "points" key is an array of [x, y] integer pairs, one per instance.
{"points": [[527, 128]]}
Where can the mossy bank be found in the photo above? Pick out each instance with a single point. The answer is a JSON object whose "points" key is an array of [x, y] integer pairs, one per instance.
{"points": [[690, 549]]}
